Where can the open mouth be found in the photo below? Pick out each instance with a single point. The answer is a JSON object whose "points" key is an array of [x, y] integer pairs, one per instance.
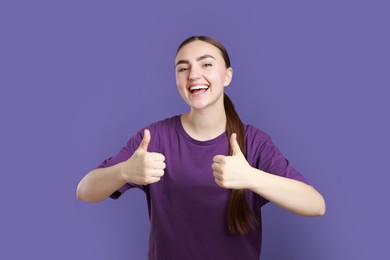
{"points": [[199, 88]]}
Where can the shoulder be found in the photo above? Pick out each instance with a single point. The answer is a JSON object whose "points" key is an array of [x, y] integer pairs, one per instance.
{"points": [[160, 131], [157, 128], [163, 126], [258, 144], [255, 135]]}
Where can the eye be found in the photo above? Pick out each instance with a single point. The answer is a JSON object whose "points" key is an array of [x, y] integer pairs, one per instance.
{"points": [[182, 69], [207, 65]]}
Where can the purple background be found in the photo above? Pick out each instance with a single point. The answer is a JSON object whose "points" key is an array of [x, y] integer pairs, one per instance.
{"points": [[78, 78]]}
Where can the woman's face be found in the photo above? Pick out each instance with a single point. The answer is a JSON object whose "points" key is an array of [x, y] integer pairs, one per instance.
{"points": [[201, 74]]}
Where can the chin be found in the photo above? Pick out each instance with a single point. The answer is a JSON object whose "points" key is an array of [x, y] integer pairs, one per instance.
{"points": [[197, 107]]}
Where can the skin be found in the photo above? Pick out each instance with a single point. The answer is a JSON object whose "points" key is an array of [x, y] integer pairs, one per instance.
{"points": [[200, 63]]}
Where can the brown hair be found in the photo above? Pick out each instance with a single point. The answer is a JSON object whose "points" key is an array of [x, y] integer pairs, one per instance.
{"points": [[240, 218]]}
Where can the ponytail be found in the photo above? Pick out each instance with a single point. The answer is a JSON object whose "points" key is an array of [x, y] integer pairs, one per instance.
{"points": [[240, 218]]}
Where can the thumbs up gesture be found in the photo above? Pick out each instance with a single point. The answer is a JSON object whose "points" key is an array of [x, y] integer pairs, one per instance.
{"points": [[231, 172], [144, 167]]}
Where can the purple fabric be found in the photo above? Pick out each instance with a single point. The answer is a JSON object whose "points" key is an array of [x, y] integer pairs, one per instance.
{"points": [[186, 207]]}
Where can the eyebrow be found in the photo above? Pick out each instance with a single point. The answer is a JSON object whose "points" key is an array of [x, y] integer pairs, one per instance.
{"points": [[198, 59]]}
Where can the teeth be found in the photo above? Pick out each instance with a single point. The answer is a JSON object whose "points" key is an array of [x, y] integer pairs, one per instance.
{"points": [[198, 87]]}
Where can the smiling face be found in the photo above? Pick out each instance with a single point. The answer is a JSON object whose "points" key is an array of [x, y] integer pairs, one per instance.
{"points": [[201, 75]]}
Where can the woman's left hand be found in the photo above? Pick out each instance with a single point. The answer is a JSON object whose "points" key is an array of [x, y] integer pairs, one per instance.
{"points": [[232, 172]]}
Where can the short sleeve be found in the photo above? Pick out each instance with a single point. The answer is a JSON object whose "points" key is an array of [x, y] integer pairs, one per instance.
{"points": [[264, 155], [272, 161], [124, 154]]}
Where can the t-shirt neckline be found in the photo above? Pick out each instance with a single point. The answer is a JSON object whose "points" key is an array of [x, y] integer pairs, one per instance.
{"points": [[181, 130]]}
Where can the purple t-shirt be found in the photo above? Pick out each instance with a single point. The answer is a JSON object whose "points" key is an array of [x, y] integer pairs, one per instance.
{"points": [[187, 209]]}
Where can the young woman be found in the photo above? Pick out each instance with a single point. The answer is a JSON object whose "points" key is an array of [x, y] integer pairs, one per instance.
{"points": [[205, 174]]}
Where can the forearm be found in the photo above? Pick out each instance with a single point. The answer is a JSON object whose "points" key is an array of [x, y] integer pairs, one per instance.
{"points": [[292, 195], [100, 183]]}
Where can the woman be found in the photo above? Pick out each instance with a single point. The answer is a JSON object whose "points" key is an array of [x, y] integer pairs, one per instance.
{"points": [[206, 175]]}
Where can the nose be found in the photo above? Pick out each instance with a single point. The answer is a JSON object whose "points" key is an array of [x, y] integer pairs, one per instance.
{"points": [[194, 73]]}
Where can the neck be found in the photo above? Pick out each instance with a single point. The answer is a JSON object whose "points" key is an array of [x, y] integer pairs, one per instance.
{"points": [[204, 124]]}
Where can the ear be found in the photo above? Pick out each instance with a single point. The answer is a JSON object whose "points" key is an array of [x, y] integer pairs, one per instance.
{"points": [[228, 76]]}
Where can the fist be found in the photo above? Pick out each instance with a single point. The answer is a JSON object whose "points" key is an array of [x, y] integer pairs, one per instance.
{"points": [[231, 172], [144, 167]]}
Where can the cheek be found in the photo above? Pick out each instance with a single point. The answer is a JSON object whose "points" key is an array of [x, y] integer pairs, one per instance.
{"points": [[181, 83], [179, 80], [217, 78]]}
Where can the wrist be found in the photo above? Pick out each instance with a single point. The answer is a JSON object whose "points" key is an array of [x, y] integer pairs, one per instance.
{"points": [[254, 178], [121, 172]]}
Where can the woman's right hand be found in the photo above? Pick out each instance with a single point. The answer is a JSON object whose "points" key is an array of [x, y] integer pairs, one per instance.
{"points": [[143, 167]]}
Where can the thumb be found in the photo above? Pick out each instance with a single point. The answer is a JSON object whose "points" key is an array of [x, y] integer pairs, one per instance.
{"points": [[234, 145], [145, 141]]}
